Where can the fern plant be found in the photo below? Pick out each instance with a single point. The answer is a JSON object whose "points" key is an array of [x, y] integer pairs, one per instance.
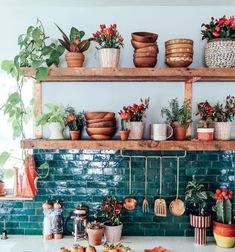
{"points": [[177, 113]]}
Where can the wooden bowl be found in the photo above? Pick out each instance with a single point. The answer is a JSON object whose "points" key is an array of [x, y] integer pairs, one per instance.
{"points": [[176, 46], [99, 115], [144, 54], [145, 61], [109, 131], [180, 55], [100, 137], [179, 41], [107, 119], [146, 37], [138, 45], [149, 49], [101, 124], [179, 50], [178, 61]]}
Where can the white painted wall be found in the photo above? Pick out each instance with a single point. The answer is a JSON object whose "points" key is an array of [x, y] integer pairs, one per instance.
{"points": [[168, 21]]}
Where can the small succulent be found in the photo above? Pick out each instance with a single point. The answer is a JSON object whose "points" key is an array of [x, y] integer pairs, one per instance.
{"points": [[95, 225], [74, 42]]}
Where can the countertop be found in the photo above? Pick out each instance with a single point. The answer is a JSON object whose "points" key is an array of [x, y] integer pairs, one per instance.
{"points": [[28, 243]]}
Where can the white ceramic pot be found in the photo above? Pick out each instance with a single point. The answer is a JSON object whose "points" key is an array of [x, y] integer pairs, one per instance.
{"points": [[113, 233], [223, 130], [109, 57], [136, 130], [55, 130]]}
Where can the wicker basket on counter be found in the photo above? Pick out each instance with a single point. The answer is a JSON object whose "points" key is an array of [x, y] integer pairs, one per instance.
{"points": [[220, 53]]}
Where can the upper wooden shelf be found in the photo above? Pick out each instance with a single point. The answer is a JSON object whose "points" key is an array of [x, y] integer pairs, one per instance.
{"points": [[193, 145], [137, 74]]}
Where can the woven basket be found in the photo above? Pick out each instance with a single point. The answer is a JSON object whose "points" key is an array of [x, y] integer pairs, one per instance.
{"points": [[220, 53]]}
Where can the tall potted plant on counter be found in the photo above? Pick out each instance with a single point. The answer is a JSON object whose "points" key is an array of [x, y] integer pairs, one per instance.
{"points": [[110, 42], [196, 197], [220, 47], [223, 116], [136, 113], [95, 231], [179, 116], [55, 120], [75, 45], [224, 226], [112, 226], [75, 122]]}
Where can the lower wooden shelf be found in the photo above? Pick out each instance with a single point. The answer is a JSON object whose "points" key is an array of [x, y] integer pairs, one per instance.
{"points": [[128, 145]]}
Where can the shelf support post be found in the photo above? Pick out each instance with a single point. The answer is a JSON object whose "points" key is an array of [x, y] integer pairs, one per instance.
{"points": [[38, 106], [188, 93]]}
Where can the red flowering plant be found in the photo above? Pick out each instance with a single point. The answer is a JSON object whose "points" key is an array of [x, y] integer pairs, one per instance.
{"points": [[205, 111], [112, 211], [124, 119], [74, 121], [219, 28], [223, 207], [108, 37], [136, 112]]}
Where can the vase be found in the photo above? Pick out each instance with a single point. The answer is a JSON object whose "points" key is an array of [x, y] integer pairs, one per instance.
{"points": [[220, 53], [113, 233], [200, 223], [136, 130], [224, 234], [55, 130], [124, 134], [179, 131], [109, 57], [95, 236], [74, 134], [74, 59], [223, 130], [205, 134]]}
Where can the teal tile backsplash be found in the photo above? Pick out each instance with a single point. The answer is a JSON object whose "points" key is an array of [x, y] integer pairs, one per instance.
{"points": [[89, 176]]}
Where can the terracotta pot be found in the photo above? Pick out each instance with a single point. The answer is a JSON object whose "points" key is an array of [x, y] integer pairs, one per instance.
{"points": [[74, 59], [146, 37], [124, 134], [95, 236], [179, 130], [145, 61], [74, 134], [109, 57], [55, 130], [223, 130], [200, 223], [224, 234], [113, 233], [205, 134], [136, 130], [2, 187]]}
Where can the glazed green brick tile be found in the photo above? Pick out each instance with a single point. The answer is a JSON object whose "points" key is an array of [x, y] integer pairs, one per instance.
{"points": [[78, 164], [33, 231], [84, 157], [19, 218], [143, 219], [201, 164], [60, 157], [184, 226], [63, 177], [181, 219], [196, 171], [38, 218], [189, 232], [12, 224], [173, 232], [154, 232], [221, 165], [23, 211], [58, 171], [96, 184], [75, 184], [31, 225], [62, 164], [15, 231], [210, 157]]}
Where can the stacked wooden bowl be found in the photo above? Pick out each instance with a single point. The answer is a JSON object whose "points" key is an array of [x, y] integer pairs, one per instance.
{"points": [[100, 125], [146, 49], [179, 52]]}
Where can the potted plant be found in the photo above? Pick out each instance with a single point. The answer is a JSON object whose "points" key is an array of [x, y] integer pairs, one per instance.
{"points": [[55, 120], [75, 46], [179, 117], [196, 197], [113, 226], [222, 117], [224, 226], [205, 131], [95, 231], [110, 42], [220, 47], [124, 132], [136, 114], [75, 122]]}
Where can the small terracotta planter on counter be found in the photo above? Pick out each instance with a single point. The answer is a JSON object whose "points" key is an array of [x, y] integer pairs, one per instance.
{"points": [[74, 59], [74, 134], [124, 134], [95, 236]]}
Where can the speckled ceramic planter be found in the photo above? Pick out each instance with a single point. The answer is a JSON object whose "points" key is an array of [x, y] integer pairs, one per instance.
{"points": [[109, 57], [113, 233], [136, 130]]}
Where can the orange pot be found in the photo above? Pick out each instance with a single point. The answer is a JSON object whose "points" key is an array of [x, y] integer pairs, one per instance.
{"points": [[179, 130], [74, 59], [95, 236], [74, 134], [124, 134]]}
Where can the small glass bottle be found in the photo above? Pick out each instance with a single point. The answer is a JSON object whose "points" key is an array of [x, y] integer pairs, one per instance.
{"points": [[57, 224], [47, 221]]}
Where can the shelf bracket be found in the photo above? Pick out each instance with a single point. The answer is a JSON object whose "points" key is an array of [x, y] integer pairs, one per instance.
{"points": [[38, 106]]}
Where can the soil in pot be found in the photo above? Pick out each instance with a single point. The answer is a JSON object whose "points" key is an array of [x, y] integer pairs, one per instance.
{"points": [[74, 59], [95, 236], [224, 234], [179, 130]]}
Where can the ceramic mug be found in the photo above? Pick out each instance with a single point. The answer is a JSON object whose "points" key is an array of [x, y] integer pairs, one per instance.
{"points": [[159, 131]]}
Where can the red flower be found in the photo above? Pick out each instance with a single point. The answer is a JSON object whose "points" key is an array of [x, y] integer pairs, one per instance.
{"points": [[71, 118], [120, 38], [102, 26], [215, 34], [124, 116]]}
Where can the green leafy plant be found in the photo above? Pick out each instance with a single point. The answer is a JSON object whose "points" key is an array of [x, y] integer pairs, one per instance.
{"points": [[196, 197], [95, 225], [5, 173], [223, 207], [74, 42], [55, 114], [177, 113], [74, 121]]}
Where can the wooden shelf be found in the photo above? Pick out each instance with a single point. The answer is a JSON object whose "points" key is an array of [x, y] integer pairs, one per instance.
{"points": [[193, 145], [13, 198], [137, 74]]}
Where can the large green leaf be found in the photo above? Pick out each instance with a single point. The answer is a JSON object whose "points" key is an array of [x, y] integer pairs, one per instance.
{"points": [[64, 35], [84, 45], [14, 98], [8, 173], [36, 34], [41, 73], [74, 34], [4, 157]]}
